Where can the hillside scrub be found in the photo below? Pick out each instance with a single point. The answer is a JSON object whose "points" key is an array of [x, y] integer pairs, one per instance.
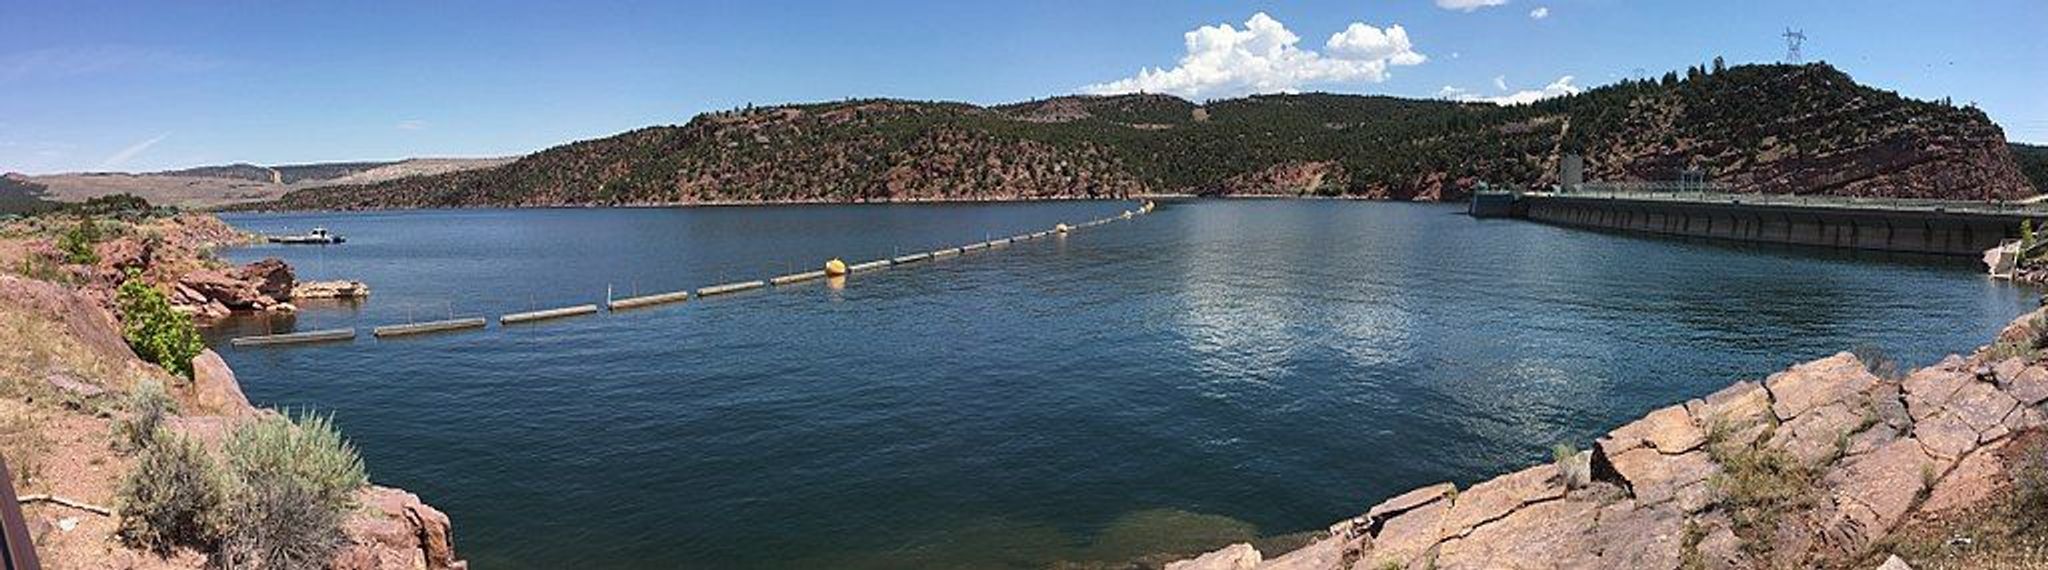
{"points": [[295, 482], [173, 496], [1806, 129]]}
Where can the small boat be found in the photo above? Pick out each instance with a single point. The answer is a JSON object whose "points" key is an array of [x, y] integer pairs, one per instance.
{"points": [[317, 236]]}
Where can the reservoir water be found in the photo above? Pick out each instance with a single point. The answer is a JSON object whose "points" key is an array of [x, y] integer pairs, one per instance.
{"points": [[1212, 372]]}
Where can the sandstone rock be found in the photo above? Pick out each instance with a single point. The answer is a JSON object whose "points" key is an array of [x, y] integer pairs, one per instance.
{"points": [[1720, 549], [1408, 501], [1973, 481], [1981, 405], [1631, 536], [1407, 536], [214, 388], [270, 276], [1495, 498], [1670, 430], [1887, 401], [1550, 534], [1653, 477], [2029, 386], [1328, 553], [1238, 556], [119, 255], [73, 384], [228, 290], [1928, 388], [1813, 436], [1869, 440], [2005, 370], [1884, 483], [2021, 329], [1945, 436], [330, 290], [1818, 383], [1738, 404], [395, 531]]}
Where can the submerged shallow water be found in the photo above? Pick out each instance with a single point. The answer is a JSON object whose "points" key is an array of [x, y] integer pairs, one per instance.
{"points": [[1214, 371]]}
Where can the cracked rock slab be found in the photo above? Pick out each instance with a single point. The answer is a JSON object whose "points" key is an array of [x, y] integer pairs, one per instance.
{"points": [[1551, 534], [1496, 498], [1653, 477], [1818, 383]]}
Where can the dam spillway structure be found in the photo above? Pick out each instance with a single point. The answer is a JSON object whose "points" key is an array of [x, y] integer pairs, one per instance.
{"points": [[1692, 206]]}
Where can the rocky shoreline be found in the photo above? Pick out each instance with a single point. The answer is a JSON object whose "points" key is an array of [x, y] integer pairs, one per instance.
{"points": [[67, 367], [1836, 463]]}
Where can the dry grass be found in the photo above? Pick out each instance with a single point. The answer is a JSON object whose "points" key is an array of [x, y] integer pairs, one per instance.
{"points": [[2012, 532], [23, 441], [1759, 485]]}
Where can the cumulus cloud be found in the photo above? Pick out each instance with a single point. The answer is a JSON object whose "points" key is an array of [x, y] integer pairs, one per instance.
{"points": [[1468, 5], [1264, 57], [1540, 12], [1562, 87], [122, 157]]}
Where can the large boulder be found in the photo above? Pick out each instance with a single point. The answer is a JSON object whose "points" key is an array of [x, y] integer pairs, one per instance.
{"points": [[225, 288], [214, 388], [272, 277], [395, 531]]}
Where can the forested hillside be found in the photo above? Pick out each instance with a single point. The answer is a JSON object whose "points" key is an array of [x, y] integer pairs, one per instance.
{"points": [[1762, 128]]}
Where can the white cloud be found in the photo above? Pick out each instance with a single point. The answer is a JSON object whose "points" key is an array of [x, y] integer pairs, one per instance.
{"points": [[1562, 87], [1264, 57], [120, 158], [1540, 12], [1500, 82], [1468, 5], [412, 125]]}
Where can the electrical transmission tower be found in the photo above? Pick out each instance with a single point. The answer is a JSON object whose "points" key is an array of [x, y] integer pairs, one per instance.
{"points": [[1793, 39]]}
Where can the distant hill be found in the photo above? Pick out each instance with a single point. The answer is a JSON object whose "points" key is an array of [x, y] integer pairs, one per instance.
{"points": [[19, 195], [215, 186], [2033, 162], [1761, 128]]}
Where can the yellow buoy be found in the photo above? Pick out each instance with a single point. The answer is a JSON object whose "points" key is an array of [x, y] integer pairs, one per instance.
{"points": [[835, 267], [1062, 228]]}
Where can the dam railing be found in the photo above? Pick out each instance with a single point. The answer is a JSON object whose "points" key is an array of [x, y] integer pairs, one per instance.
{"points": [[614, 305]]}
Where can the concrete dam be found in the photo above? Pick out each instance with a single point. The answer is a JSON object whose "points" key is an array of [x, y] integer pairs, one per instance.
{"points": [[1915, 226]]}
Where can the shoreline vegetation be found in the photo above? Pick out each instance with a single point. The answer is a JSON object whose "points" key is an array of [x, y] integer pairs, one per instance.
{"points": [[139, 438]]}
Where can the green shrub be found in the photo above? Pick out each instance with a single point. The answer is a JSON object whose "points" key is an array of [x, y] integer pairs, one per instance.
{"points": [[172, 497], [1574, 471], [295, 482], [145, 411], [281, 526], [77, 242], [306, 450], [157, 332]]}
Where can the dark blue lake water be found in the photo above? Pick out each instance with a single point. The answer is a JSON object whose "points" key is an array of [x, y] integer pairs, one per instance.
{"points": [[1212, 371]]}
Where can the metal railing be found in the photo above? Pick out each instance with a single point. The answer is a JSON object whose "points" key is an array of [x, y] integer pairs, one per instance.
{"points": [[17, 548]]}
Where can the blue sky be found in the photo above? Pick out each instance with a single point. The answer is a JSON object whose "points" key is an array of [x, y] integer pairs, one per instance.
{"points": [[94, 85]]}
